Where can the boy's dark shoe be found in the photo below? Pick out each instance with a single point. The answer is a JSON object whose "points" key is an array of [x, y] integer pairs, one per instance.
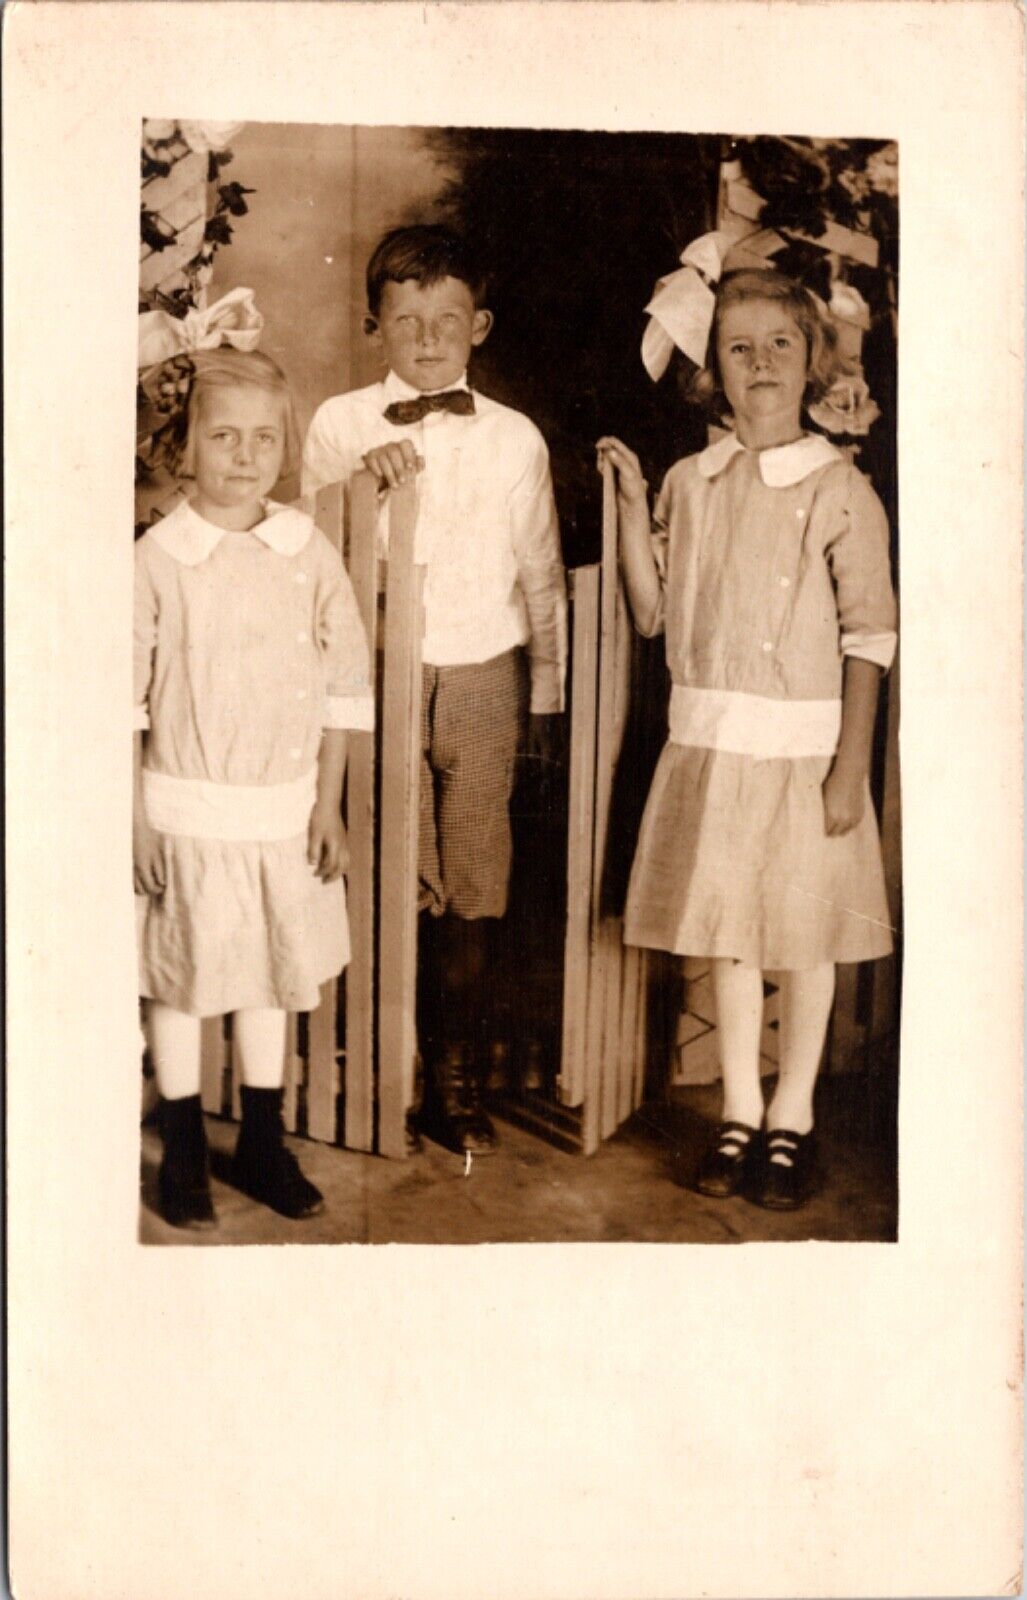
{"points": [[453, 1111], [183, 1181], [262, 1167], [533, 1077]]}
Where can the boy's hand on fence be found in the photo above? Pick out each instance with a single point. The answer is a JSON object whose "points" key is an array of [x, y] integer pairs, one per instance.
{"points": [[844, 799], [627, 469], [394, 463], [327, 846], [148, 871]]}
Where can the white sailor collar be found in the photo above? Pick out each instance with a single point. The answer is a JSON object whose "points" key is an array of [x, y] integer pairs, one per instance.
{"points": [[397, 388], [781, 466], [190, 538]]}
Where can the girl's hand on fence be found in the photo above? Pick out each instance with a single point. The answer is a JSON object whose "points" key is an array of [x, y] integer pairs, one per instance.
{"points": [[844, 799], [394, 463], [631, 485], [148, 871], [327, 847]]}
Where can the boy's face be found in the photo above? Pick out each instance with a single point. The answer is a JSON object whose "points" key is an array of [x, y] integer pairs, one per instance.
{"points": [[426, 331]]}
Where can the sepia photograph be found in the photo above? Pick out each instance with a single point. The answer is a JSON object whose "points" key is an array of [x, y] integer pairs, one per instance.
{"points": [[601, 431], [513, 651]]}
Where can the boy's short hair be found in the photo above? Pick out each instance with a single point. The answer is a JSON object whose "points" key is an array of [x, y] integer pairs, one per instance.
{"points": [[756, 284], [226, 368], [425, 252]]}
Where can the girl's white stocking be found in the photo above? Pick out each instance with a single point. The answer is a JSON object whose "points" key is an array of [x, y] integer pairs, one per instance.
{"points": [[738, 991], [806, 1000], [174, 1041], [258, 1043]]}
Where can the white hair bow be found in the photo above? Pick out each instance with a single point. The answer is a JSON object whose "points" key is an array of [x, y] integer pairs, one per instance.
{"points": [[234, 320], [681, 309]]}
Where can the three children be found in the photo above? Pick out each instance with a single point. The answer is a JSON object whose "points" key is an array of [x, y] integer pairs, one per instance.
{"points": [[767, 567]]}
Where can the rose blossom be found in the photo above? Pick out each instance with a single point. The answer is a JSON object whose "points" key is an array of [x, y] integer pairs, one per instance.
{"points": [[847, 406], [883, 171]]}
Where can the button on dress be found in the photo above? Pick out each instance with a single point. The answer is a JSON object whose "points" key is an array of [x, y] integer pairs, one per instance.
{"points": [[773, 567], [247, 645]]}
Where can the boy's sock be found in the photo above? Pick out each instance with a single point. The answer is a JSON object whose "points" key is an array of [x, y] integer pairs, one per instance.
{"points": [[463, 947], [456, 1069], [429, 985]]}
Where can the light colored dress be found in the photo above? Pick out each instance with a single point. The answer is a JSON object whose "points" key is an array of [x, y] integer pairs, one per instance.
{"points": [[247, 645], [774, 566]]}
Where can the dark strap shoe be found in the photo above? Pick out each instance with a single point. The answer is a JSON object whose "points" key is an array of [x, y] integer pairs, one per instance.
{"points": [[729, 1161], [790, 1173], [262, 1167], [183, 1181]]}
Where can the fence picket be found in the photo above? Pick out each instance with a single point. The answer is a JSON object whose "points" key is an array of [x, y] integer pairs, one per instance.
{"points": [[401, 698], [603, 953], [360, 821], [322, 1070], [212, 1065], [581, 823], [293, 1075]]}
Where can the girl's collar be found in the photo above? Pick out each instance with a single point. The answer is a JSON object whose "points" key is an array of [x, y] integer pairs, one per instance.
{"points": [[781, 466], [190, 538]]}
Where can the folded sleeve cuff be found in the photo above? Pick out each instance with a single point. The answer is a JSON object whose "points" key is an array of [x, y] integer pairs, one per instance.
{"points": [[876, 647], [140, 719], [351, 711]]}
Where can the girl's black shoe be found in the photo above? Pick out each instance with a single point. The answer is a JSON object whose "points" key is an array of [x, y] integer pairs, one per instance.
{"points": [[787, 1182], [183, 1181], [262, 1167], [728, 1161]]}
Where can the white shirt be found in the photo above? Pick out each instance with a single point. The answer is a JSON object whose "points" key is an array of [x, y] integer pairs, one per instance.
{"points": [[487, 532]]}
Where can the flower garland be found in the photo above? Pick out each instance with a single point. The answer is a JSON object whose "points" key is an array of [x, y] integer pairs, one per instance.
{"points": [[164, 143], [805, 184], [163, 388]]}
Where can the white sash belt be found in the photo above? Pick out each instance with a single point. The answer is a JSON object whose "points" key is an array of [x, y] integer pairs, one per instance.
{"points": [[753, 724], [205, 810]]}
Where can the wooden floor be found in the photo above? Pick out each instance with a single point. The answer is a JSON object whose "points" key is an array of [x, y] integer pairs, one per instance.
{"points": [[634, 1189]]}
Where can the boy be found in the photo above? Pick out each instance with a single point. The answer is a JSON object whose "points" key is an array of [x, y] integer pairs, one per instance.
{"points": [[494, 582]]}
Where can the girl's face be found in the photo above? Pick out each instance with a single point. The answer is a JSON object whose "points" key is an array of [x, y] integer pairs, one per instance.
{"points": [[238, 445], [763, 368]]}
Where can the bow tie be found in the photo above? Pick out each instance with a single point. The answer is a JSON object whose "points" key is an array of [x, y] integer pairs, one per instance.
{"points": [[460, 401]]}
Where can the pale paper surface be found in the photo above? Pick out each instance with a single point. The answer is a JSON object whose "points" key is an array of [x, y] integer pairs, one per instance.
{"points": [[511, 1421]]}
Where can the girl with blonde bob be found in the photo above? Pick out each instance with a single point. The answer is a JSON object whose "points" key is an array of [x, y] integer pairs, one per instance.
{"points": [[250, 665]]}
